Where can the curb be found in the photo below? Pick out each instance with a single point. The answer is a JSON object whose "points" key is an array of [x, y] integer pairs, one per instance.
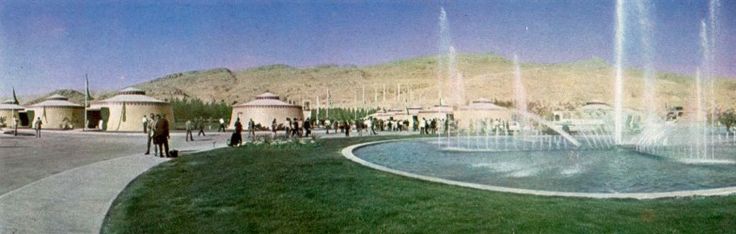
{"points": [[348, 153]]}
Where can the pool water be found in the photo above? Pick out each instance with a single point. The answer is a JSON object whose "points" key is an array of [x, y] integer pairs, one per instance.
{"points": [[616, 170]]}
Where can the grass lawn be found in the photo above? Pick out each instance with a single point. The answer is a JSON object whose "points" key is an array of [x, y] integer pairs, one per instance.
{"points": [[312, 188]]}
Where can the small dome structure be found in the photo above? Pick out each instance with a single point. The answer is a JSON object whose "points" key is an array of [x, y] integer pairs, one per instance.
{"points": [[124, 112], [263, 110], [10, 105], [57, 112], [8, 110], [481, 110]]}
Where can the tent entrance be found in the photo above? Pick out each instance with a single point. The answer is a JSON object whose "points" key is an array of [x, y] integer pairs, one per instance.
{"points": [[93, 118]]}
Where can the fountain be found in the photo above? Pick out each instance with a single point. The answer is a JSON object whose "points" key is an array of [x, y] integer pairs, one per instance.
{"points": [[612, 152]]}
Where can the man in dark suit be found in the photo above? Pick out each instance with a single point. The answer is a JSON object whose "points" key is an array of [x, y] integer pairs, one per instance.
{"points": [[162, 135], [200, 125]]}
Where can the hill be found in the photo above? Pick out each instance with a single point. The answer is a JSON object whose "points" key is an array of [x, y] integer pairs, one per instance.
{"points": [[73, 95], [485, 75]]}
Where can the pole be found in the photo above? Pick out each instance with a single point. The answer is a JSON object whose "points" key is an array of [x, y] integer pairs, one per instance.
{"points": [[327, 110], [86, 101], [398, 93], [319, 105], [384, 95], [375, 95]]}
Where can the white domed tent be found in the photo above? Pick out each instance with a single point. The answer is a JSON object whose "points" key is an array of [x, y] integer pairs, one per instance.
{"points": [[481, 110], [125, 110], [8, 110], [57, 112], [263, 110]]}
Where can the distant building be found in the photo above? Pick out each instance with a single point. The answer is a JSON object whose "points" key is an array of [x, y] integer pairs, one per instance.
{"points": [[263, 110], [124, 112], [440, 112], [481, 110], [57, 112], [9, 109]]}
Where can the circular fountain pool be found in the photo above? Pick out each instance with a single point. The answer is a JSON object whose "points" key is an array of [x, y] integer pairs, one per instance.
{"points": [[616, 172]]}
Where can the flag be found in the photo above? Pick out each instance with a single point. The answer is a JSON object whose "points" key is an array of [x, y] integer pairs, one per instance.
{"points": [[87, 93], [15, 98]]}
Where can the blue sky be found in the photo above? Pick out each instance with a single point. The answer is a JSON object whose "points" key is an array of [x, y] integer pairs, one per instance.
{"points": [[45, 45]]}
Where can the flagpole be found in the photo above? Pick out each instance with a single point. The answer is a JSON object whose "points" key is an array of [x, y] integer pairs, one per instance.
{"points": [[86, 101], [327, 110]]}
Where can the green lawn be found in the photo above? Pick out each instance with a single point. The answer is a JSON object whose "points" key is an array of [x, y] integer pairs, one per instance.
{"points": [[312, 188]]}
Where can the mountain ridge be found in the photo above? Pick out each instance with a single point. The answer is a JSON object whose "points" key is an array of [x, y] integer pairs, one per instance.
{"points": [[485, 76]]}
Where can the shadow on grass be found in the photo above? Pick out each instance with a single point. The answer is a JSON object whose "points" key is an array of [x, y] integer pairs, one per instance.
{"points": [[312, 188]]}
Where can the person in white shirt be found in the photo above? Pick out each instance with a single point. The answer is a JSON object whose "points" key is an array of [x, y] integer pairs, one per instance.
{"points": [[422, 124], [145, 124], [369, 124], [222, 125], [37, 126], [328, 125]]}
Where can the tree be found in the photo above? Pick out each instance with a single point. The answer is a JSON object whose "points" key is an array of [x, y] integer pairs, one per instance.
{"points": [[728, 119]]}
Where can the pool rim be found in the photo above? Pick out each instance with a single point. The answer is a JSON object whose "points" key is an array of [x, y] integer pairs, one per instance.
{"points": [[347, 152]]}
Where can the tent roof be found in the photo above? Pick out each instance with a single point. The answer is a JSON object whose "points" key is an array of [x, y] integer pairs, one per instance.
{"points": [[56, 100], [482, 104], [132, 90], [266, 99], [131, 95], [10, 105], [267, 95]]}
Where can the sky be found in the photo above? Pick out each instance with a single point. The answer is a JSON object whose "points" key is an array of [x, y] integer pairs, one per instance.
{"points": [[47, 45]]}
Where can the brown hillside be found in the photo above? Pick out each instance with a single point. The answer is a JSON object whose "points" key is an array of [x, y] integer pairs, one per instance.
{"points": [[485, 75]]}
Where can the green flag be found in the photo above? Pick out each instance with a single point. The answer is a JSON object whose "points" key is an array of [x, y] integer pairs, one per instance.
{"points": [[15, 98]]}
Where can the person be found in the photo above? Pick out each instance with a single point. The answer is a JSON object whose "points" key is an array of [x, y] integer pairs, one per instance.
{"points": [[222, 125], [189, 127], [369, 124], [287, 128], [145, 124], [15, 126], [434, 126], [426, 127], [328, 125], [447, 126], [151, 129], [161, 137], [307, 127], [274, 125], [37, 126], [295, 127], [236, 138], [252, 129], [200, 125], [346, 126]]}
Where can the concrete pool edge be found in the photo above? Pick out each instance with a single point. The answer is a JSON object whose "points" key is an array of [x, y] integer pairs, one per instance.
{"points": [[347, 152]]}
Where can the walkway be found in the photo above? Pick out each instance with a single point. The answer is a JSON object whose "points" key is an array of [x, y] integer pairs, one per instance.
{"points": [[66, 182]]}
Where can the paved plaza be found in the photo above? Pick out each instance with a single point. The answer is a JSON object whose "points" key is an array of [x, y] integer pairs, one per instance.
{"points": [[65, 182]]}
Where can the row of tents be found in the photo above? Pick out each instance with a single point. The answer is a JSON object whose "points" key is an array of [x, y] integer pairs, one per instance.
{"points": [[122, 112]]}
